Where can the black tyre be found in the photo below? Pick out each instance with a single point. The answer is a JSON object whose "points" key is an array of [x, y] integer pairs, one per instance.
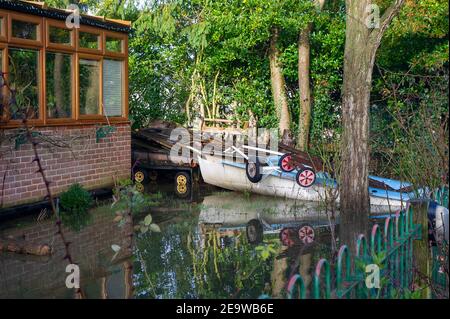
{"points": [[254, 231], [306, 177], [253, 171], [285, 163]]}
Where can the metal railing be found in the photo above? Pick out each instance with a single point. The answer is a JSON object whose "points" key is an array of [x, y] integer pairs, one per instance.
{"points": [[389, 250]]}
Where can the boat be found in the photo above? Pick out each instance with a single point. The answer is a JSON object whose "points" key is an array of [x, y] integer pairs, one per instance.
{"points": [[232, 175]]}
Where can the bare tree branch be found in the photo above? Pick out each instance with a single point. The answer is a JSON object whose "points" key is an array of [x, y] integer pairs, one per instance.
{"points": [[385, 20]]}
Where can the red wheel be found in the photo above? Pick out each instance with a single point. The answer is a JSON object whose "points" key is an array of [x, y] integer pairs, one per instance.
{"points": [[286, 236], [285, 163], [306, 177], [306, 234]]}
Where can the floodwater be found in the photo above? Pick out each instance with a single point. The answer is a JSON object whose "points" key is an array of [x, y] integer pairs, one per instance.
{"points": [[208, 247]]}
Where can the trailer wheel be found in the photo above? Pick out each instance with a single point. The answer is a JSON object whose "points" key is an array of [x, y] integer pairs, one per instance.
{"points": [[306, 234], [254, 231], [253, 171], [305, 177], [139, 187], [285, 163], [287, 235], [140, 176], [182, 184]]}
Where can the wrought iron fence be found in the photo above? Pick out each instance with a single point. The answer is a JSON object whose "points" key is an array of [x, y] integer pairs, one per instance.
{"points": [[390, 249]]}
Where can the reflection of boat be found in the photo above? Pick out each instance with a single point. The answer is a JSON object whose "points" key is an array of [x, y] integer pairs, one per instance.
{"points": [[231, 214], [232, 176], [233, 209]]}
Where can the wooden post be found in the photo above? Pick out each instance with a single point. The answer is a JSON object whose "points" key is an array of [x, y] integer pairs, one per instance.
{"points": [[421, 247]]}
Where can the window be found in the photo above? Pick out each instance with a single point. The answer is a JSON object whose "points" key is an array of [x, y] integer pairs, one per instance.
{"points": [[59, 75], [89, 40], [24, 81], [112, 87], [89, 80], [59, 35], [114, 44], [58, 85], [25, 30]]}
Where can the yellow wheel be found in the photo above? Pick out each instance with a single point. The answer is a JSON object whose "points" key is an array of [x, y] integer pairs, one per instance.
{"points": [[182, 184], [182, 189], [140, 176], [182, 180], [140, 187]]}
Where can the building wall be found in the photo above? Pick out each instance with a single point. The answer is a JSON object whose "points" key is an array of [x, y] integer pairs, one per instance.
{"points": [[69, 154]]}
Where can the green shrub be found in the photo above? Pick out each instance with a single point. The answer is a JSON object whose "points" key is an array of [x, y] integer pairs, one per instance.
{"points": [[74, 207]]}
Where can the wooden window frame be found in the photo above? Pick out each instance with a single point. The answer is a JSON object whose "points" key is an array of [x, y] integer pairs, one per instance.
{"points": [[30, 19], [43, 45], [73, 90], [58, 46], [124, 108], [118, 36], [3, 62], [99, 58], [93, 31], [41, 107], [4, 26]]}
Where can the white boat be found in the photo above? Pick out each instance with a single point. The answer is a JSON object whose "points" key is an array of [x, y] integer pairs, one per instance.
{"points": [[232, 176]]}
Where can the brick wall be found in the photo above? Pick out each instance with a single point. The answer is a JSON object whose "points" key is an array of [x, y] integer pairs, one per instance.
{"points": [[70, 154], [25, 276]]}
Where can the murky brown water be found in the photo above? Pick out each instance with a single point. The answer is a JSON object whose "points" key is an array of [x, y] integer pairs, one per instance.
{"points": [[203, 250]]}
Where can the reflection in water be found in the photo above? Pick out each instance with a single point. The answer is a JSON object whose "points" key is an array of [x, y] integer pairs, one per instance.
{"points": [[206, 252], [203, 251], [24, 276]]}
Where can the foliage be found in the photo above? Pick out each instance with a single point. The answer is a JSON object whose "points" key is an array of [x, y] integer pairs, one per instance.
{"points": [[410, 95], [128, 200], [74, 207], [192, 57]]}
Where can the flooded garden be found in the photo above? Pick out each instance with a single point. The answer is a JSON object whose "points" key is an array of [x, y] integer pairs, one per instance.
{"points": [[202, 249]]}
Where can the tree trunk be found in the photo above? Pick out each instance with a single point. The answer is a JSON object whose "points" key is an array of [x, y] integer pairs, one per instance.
{"points": [[304, 88], [23, 247], [361, 44], [304, 53], [278, 84]]}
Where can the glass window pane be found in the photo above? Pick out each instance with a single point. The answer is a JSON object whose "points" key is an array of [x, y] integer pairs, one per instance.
{"points": [[89, 40], [60, 35], [112, 87], [24, 81], [59, 85], [24, 30], [113, 44], [1, 26], [89, 86]]}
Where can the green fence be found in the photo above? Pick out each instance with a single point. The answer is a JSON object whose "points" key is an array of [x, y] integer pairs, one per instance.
{"points": [[441, 196], [440, 251], [390, 248]]}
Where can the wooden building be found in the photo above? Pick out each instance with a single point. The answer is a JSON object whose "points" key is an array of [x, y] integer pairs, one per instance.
{"points": [[73, 81]]}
